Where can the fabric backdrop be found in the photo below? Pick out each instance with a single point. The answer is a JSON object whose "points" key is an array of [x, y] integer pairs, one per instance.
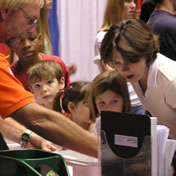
{"points": [[79, 21], [54, 28]]}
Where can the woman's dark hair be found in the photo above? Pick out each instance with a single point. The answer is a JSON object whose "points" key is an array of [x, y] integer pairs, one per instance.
{"points": [[133, 39]]}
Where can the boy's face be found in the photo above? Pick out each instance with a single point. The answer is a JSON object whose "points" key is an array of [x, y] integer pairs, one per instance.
{"points": [[45, 91], [18, 23], [109, 101], [28, 49]]}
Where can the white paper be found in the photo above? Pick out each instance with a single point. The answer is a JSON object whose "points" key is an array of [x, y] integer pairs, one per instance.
{"points": [[162, 136], [123, 140], [168, 156]]}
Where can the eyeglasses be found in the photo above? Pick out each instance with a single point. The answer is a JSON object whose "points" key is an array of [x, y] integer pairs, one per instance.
{"points": [[14, 41], [31, 20]]}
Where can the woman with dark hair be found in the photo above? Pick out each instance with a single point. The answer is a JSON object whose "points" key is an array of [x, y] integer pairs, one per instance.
{"points": [[132, 49]]}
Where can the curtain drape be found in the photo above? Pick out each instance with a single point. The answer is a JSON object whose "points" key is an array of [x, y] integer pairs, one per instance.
{"points": [[79, 21], [54, 29]]}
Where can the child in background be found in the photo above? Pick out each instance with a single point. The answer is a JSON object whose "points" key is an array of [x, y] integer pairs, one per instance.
{"points": [[108, 92], [45, 80], [74, 101], [115, 11], [28, 53]]}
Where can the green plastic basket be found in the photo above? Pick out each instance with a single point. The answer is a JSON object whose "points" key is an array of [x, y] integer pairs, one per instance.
{"points": [[32, 162]]}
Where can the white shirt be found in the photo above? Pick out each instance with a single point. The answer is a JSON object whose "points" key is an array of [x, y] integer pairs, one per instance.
{"points": [[160, 96]]}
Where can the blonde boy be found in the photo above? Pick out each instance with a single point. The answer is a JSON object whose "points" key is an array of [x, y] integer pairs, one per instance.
{"points": [[45, 80]]}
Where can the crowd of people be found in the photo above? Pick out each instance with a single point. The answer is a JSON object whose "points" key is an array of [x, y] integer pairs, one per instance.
{"points": [[137, 75]]}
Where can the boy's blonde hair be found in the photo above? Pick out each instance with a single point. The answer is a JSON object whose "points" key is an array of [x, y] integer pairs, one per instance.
{"points": [[44, 70]]}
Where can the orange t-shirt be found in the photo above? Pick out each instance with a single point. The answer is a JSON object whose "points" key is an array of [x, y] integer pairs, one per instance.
{"points": [[12, 94]]}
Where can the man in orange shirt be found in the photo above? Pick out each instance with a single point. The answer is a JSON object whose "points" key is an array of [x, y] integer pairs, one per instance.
{"points": [[16, 24]]}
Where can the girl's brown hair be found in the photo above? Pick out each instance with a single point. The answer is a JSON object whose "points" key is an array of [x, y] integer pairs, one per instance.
{"points": [[108, 80], [76, 92]]}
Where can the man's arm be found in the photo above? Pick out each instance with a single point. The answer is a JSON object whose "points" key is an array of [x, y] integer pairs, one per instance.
{"points": [[57, 128], [12, 130]]}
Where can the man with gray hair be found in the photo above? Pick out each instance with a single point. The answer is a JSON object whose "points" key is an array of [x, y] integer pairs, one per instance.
{"points": [[18, 20]]}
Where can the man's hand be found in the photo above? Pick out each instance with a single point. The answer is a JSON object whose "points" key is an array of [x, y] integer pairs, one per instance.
{"points": [[40, 143]]}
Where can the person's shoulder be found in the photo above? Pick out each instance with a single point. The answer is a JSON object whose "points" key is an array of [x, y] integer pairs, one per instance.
{"points": [[50, 57], [162, 17], [166, 66], [57, 59], [164, 59], [162, 21], [145, 2]]}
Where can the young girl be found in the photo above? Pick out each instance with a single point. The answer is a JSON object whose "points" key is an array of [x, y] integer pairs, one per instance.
{"points": [[73, 102], [108, 92]]}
